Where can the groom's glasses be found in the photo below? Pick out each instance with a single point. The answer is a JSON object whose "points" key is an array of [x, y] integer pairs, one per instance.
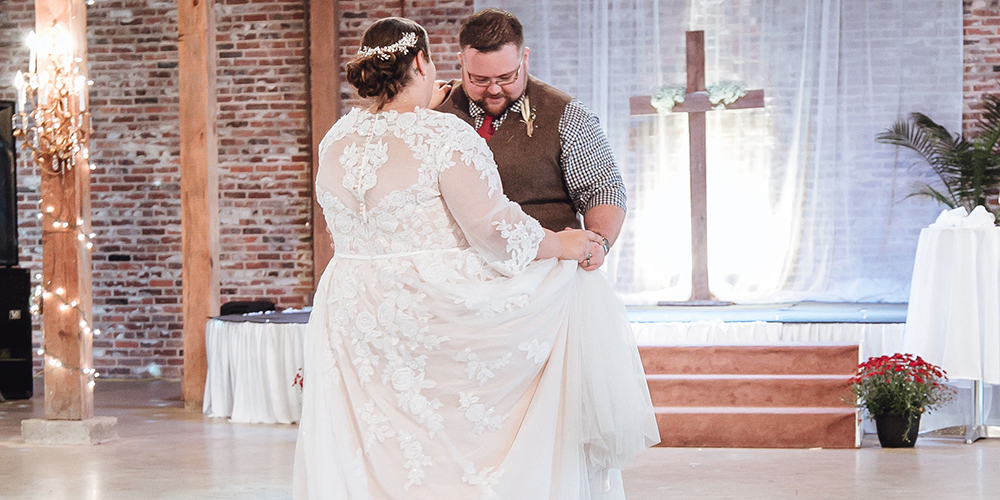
{"points": [[502, 80]]}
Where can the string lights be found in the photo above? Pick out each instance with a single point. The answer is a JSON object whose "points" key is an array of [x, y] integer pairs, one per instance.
{"points": [[52, 118]]}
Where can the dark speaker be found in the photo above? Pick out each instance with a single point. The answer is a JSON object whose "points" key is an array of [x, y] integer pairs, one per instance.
{"points": [[8, 187], [243, 307], [15, 334]]}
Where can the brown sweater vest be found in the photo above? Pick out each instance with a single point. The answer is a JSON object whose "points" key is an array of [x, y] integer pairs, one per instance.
{"points": [[529, 166]]}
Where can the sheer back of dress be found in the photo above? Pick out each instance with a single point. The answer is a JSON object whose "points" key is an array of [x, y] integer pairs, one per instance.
{"points": [[377, 183], [396, 183]]}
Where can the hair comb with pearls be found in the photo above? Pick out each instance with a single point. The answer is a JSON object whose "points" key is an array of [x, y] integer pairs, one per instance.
{"points": [[402, 46]]}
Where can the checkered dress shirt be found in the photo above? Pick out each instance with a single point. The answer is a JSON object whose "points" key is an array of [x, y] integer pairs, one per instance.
{"points": [[589, 166]]}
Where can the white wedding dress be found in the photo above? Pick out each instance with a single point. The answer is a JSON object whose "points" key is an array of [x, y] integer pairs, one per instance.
{"points": [[442, 361]]}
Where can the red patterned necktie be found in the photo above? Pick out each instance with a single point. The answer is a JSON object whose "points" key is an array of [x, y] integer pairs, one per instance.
{"points": [[486, 129]]}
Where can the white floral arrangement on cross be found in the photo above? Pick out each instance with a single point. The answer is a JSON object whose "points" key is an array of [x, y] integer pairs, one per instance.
{"points": [[719, 95], [725, 92], [664, 98]]}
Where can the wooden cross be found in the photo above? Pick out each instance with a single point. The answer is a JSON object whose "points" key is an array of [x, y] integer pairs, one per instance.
{"points": [[695, 105]]}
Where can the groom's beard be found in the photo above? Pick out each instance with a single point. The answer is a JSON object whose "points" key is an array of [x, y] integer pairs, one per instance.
{"points": [[495, 104]]}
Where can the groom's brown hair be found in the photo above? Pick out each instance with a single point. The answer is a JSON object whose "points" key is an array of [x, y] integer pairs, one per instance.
{"points": [[489, 30]]}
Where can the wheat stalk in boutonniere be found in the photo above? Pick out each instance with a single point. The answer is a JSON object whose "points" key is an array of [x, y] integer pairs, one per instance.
{"points": [[528, 115]]}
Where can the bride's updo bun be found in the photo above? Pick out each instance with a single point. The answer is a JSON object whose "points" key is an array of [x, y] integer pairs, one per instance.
{"points": [[381, 68]]}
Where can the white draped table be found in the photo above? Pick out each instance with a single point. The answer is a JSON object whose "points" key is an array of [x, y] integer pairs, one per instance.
{"points": [[953, 318], [251, 371]]}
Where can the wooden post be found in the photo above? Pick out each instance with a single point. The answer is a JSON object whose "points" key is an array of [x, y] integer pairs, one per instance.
{"points": [[66, 265], [324, 96], [199, 187]]}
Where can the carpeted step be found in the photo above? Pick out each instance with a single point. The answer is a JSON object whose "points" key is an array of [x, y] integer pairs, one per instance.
{"points": [[748, 390], [716, 427], [752, 396], [825, 359]]}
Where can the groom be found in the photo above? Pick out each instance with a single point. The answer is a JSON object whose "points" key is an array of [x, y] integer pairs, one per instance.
{"points": [[554, 159]]}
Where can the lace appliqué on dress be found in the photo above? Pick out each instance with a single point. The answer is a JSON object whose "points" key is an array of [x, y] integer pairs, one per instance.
{"points": [[523, 239], [416, 460], [378, 425], [479, 369], [360, 164], [485, 479], [535, 351], [477, 413]]}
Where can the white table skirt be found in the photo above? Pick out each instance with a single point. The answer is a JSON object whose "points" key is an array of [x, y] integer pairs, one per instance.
{"points": [[953, 319], [251, 370]]}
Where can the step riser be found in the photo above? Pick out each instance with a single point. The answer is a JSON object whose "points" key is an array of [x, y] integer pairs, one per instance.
{"points": [[727, 430], [793, 411], [750, 360], [748, 392]]}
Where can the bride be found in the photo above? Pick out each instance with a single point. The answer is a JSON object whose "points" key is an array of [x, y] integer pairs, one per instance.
{"points": [[455, 350]]}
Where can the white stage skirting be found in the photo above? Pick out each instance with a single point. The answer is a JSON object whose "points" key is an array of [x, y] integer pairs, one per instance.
{"points": [[252, 366], [874, 338]]}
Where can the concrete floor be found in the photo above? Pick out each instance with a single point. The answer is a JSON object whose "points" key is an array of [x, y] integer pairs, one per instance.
{"points": [[166, 452]]}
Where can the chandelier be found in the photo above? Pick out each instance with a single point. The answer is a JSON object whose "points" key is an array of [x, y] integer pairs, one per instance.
{"points": [[51, 112]]}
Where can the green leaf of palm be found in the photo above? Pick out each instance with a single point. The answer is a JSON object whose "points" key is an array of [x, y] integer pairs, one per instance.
{"points": [[967, 169]]}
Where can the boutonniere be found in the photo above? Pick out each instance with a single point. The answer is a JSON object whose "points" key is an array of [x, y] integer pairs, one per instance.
{"points": [[528, 115]]}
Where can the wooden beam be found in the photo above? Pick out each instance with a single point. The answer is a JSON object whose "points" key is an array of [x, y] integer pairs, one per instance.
{"points": [[199, 187], [696, 101], [324, 96], [66, 261]]}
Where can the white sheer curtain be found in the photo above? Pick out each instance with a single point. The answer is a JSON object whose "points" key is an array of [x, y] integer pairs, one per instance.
{"points": [[803, 204]]}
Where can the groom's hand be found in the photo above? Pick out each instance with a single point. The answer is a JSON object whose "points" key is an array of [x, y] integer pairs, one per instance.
{"points": [[596, 251]]}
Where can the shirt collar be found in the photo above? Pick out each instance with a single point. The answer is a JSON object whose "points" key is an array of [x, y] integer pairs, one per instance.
{"points": [[478, 113]]}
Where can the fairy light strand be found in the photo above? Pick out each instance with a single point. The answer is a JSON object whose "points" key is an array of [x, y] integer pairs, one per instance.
{"points": [[56, 131]]}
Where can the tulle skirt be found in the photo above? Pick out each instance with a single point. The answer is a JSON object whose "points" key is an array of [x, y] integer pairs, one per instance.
{"points": [[421, 383]]}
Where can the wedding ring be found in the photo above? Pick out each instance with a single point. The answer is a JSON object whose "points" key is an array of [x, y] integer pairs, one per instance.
{"points": [[589, 255], [588, 261]]}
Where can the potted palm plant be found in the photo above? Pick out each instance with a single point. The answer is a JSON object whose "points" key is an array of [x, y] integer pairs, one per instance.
{"points": [[968, 167]]}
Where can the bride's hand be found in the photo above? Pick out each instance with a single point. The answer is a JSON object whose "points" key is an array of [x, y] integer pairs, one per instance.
{"points": [[441, 90], [576, 243]]}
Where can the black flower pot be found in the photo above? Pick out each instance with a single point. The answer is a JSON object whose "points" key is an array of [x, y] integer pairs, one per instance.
{"points": [[892, 431]]}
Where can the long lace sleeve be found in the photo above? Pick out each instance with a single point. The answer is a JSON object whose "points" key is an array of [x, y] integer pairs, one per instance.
{"points": [[496, 227]]}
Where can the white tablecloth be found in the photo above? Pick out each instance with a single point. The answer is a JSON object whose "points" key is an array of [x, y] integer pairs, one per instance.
{"points": [[251, 369], [953, 318]]}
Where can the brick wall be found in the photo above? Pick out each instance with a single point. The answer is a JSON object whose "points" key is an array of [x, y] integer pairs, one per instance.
{"points": [[264, 154], [982, 54], [264, 158], [982, 62]]}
